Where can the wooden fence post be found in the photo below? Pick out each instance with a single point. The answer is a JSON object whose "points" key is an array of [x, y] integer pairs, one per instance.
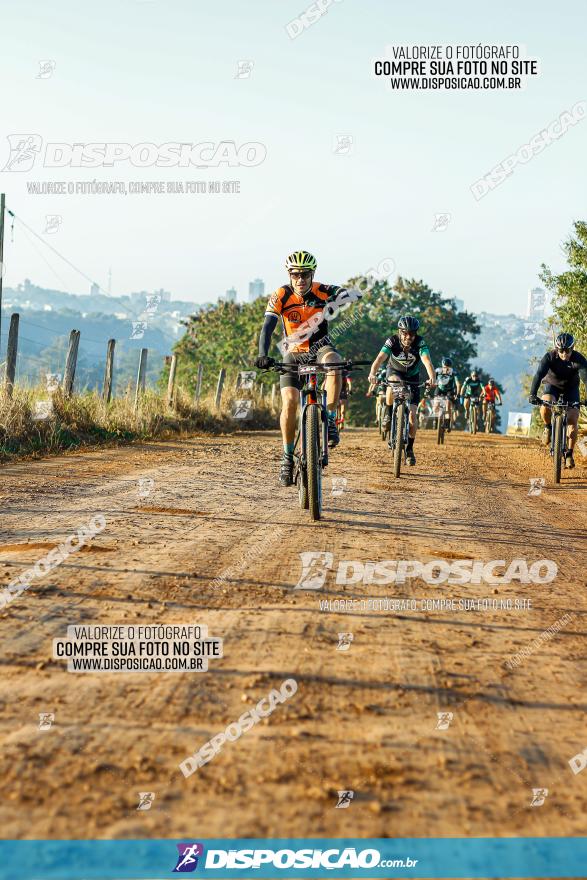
{"points": [[70, 363], [141, 376], [199, 382], [219, 387], [171, 381], [109, 371], [11, 353]]}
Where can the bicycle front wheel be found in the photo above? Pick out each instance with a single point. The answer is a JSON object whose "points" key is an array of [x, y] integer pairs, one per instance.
{"points": [[314, 465], [440, 431], [557, 431], [398, 449]]}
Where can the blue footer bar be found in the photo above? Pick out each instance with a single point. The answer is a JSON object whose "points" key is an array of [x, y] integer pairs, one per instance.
{"points": [[360, 858]]}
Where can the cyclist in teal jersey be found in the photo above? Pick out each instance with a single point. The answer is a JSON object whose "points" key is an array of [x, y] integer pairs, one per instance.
{"points": [[472, 387], [404, 352]]}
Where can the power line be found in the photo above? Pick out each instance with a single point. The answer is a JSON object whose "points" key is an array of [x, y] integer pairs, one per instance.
{"points": [[57, 333], [72, 265]]}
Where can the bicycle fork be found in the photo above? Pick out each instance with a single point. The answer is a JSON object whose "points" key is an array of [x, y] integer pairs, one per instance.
{"points": [[310, 397]]}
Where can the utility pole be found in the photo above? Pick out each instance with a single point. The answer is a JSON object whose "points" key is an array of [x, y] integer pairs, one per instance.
{"points": [[2, 202]]}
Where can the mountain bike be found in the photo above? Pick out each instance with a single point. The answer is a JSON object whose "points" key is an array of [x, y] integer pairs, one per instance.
{"points": [[311, 443], [474, 415], [558, 440], [490, 416], [399, 425], [440, 410], [380, 412]]}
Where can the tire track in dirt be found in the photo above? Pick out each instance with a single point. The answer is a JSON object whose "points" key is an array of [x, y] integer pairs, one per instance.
{"points": [[363, 720]]}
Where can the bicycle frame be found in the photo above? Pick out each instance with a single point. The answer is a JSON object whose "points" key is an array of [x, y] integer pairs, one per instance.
{"points": [[440, 406], [559, 411], [310, 395], [401, 397]]}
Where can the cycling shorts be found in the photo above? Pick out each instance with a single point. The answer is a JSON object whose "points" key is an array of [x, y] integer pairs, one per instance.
{"points": [[292, 380], [413, 384]]}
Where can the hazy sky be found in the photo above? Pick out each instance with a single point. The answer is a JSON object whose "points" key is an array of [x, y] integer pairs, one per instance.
{"points": [[155, 71]]}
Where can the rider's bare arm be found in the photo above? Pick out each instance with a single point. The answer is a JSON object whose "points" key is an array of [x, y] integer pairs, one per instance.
{"points": [[429, 368], [378, 362]]}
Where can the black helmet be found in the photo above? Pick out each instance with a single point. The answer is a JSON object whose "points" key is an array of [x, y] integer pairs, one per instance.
{"points": [[408, 322], [474, 373], [491, 382], [446, 362], [564, 341]]}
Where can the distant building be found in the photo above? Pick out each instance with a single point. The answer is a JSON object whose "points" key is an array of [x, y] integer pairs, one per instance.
{"points": [[537, 304], [94, 289], [256, 289], [230, 295], [459, 304]]}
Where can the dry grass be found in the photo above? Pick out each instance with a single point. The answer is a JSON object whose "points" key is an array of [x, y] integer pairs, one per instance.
{"points": [[85, 420]]}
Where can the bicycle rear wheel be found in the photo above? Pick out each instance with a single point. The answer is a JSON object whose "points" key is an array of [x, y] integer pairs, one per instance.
{"points": [[314, 465], [473, 419], [440, 430], [557, 431], [398, 449]]}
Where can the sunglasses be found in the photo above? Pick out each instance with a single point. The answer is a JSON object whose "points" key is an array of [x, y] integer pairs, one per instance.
{"points": [[303, 275], [565, 350]]}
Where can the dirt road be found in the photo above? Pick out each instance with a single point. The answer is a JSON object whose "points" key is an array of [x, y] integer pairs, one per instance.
{"points": [[364, 719]]}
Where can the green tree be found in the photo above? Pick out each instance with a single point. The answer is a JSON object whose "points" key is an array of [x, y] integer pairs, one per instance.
{"points": [[226, 335], [570, 287], [223, 335]]}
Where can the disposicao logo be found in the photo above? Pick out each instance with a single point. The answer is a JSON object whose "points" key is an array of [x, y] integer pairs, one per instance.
{"points": [[187, 859]]}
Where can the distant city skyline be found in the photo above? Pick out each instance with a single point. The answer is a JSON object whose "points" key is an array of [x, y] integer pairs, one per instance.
{"points": [[410, 156]]}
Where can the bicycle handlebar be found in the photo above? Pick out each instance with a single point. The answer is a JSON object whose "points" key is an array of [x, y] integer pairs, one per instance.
{"points": [[391, 382], [560, 403], [288, 366]]}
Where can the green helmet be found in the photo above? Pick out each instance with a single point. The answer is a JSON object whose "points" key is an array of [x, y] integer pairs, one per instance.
{"points": [[301, 260]]}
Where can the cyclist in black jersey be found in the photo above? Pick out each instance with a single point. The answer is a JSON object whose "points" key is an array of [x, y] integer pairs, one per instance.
{"points": [[560, 370]]}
